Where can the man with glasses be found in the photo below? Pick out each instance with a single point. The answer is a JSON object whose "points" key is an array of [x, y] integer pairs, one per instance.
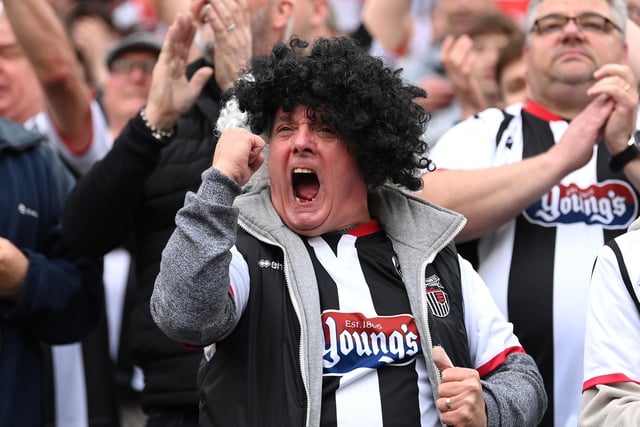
{"points": [[130, 62], [545, 183]]}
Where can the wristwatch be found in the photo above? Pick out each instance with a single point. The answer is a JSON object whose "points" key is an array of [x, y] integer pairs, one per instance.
{"points": [[632, 151]]}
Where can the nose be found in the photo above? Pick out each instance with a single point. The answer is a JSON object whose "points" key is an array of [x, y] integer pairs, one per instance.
{"points": [[571, 27], [302, 140], [137, 74], [492, 57]]}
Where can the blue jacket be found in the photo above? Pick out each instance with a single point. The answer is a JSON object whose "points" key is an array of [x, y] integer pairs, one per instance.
{"points": [[62, 294]]}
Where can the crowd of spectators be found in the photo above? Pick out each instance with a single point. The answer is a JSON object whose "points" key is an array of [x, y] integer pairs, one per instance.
{"points": [[128, 94]]}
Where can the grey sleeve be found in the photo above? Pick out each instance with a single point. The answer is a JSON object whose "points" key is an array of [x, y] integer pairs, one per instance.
{"points": [[514, 393], [191, 301]]}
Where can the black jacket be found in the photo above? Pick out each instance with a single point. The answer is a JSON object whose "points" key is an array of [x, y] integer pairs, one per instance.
{"points": [[135, 191], [260, 387]]}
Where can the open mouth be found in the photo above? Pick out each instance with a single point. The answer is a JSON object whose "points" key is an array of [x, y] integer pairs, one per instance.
{"points": [[305, 185]]}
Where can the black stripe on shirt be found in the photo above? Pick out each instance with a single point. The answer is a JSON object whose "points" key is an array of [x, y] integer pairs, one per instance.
{"points": [[531, 274]]}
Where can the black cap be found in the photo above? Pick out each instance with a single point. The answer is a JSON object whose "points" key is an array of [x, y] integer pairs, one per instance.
{"points": [[138, 41]]}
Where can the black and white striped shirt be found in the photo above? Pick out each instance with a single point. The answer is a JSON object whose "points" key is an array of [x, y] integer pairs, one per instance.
{"points": [[538, 265]]}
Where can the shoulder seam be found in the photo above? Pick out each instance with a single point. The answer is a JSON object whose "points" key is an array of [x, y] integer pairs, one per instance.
{"points": [[624, 273]]}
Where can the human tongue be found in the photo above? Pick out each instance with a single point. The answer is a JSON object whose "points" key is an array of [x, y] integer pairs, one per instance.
{"points": [[306, 186]]}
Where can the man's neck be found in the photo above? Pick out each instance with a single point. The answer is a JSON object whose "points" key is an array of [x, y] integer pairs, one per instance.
{"points": [[565, 101], [20, 116], [563, 107]]}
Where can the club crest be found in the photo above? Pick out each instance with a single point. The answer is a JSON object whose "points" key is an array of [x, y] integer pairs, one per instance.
{"points": [[437, 297]]}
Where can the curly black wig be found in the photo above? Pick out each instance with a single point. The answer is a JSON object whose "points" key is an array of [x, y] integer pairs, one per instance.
{"points": [[364, 101]]}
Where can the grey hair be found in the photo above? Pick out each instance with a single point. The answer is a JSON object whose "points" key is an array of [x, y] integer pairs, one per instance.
{"points": [[232, 117], [230, 114], [618, 10]]}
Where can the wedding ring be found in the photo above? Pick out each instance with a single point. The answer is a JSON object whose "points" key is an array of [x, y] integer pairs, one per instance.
{"points": [[447, 403], [231, 26]]}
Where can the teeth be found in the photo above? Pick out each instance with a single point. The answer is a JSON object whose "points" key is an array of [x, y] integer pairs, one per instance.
{"points": [[302, 170], [299, 200]]}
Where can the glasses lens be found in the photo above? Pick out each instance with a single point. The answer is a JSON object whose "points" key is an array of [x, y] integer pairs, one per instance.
{"points": [[592, 22], [121, 65], [551, 23], [126, 66], [147, 65]]}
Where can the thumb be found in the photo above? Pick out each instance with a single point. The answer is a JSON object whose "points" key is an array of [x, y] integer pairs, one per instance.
{"points": [[440, 358], [257, 145], [199, 79]]}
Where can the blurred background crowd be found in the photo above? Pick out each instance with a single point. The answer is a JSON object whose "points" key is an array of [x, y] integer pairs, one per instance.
{"points": [[82, 77]]}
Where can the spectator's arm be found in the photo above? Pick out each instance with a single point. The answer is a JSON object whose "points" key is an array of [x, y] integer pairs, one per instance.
{"points": [[169, 9], [196, 261], [615, 404], [490, 197], [93, 37], [47, 46], [389, 22], [167, 12]]}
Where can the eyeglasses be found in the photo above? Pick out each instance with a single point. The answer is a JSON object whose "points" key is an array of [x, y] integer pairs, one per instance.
{"points": [[588, 22], [126, 65]]}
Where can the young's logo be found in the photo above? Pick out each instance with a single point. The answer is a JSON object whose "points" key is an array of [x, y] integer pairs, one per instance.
{"points": [[353, 340], [611, 204], [437, 297]]}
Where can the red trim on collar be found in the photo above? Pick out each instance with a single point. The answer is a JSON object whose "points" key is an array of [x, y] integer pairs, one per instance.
{"points": [[365, 229], [540, 112]]}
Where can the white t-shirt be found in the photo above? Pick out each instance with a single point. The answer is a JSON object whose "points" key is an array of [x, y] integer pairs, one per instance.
{"points": [[538, 265], [100, 144], [612, 339]]}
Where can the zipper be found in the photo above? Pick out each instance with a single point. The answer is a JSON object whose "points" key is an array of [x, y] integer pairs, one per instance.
{"points": [[296, 308], [294, 302], [423, 296], [425, 314]]}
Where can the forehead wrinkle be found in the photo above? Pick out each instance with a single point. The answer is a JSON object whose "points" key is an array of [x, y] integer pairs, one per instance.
{"points": [[284, 118], [289, 117]]}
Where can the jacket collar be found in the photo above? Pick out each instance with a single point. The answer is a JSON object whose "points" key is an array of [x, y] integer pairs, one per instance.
{"points": [[14, 136], [423, 225]]}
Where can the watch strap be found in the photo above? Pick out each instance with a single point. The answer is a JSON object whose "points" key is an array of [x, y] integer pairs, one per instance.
{"points": [[618, 161]]}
